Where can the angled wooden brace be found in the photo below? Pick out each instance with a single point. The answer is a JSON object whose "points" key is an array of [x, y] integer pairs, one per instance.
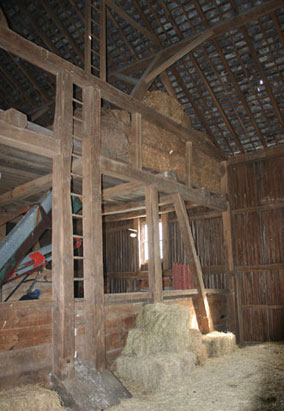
{"points": [[203, 311]]}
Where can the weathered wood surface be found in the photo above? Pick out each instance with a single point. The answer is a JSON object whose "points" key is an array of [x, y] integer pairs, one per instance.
{"points": [[92, 231], [25, 342], [257, 191], [154, 263], [62, 241], [203, 315], [14, 43]]}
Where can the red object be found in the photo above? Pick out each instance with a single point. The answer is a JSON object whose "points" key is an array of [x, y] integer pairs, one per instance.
{"points": [[37, 258], [78, 242]]}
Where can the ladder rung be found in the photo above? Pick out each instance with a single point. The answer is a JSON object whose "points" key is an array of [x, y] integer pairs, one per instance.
{"points": [[77, 257], [79, 279], [77, 236], [77, 138], [76, 175], [77, 216], [78, 119], [78, 101], [77, 195], [76, 155]]}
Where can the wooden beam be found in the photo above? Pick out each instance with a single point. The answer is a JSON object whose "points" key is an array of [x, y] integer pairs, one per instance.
{"points": [[62, 241], [154, 262], [188, 163], [25, 190], [142, 85], [13, 43], [275, 151], [229, 256], [92, 232], [117, 9], [103, 49], [163, 184], [136, 125], [28, 140], [166, 241], [203, 315]]}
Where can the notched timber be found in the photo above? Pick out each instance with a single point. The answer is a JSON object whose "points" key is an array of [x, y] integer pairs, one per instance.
{"points": [[28, 140]]}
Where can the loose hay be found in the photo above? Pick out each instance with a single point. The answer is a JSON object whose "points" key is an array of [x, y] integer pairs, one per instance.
{"points": [[30, 398], [165, 105], [218, 343], [155, 372]]}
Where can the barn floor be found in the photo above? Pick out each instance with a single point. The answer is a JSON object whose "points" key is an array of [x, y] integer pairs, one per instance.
{"points": [[250, 379]]}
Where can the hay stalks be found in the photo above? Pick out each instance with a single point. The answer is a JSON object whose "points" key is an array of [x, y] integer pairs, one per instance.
{"points": [[30, 398], [219, 343]]}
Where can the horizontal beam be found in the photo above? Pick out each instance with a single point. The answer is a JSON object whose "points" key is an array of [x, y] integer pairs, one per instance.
{"points": [[163, 184], [28, 140], [40, 57]]}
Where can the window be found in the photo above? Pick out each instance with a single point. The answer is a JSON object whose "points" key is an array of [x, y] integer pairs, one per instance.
{"points": [[144, 242]]}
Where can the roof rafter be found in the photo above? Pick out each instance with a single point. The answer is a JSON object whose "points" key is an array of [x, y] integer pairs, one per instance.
{"points": [[174, 53], [218, 105]]}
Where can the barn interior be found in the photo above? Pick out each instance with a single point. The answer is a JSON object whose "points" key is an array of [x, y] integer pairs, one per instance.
{"points": [[141, 162]]}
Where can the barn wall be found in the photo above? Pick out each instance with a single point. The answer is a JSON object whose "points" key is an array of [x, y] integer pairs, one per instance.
{"points": [[25, 342], [256, 196]]}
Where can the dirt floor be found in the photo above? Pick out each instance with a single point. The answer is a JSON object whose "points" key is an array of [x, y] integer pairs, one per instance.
{"points": [[250, 379]]}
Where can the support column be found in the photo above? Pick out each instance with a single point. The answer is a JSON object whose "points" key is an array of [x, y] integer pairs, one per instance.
{"points": [[203, 315], [92, 231], [62, 242], [154, 263], [233, 323]]}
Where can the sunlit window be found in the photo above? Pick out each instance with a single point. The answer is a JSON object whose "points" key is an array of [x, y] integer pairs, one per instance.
{"points": [[145, 242]]}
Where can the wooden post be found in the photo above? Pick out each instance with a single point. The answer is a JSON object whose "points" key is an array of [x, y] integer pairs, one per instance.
{"points": [[154, 263], [92, 231], [229, 263], [166, 250], [188, 163], [103, 70], [62, 242], [136, 125], [2, 236], [203, 315]]}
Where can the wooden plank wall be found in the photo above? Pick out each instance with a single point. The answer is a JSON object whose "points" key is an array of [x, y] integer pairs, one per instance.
{"points": [[208, 237], [257, 203], [25, 342]]}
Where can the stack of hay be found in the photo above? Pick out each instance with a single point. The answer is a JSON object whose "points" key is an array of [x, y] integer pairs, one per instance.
{"points": [[219, 343], [160, 348], [30, 398]]}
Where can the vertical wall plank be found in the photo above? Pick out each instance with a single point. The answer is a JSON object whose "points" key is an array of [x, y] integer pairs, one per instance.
{"points": [[92, 230], [154, 264], [203, 314], [166, 247], [62, 242]]}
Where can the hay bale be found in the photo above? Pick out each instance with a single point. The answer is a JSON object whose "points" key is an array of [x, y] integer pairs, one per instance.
{"points": [[141, 343], [155, 372], [30, 398], [164, 319], [166, 105], [198, 347], [219, 343]]}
